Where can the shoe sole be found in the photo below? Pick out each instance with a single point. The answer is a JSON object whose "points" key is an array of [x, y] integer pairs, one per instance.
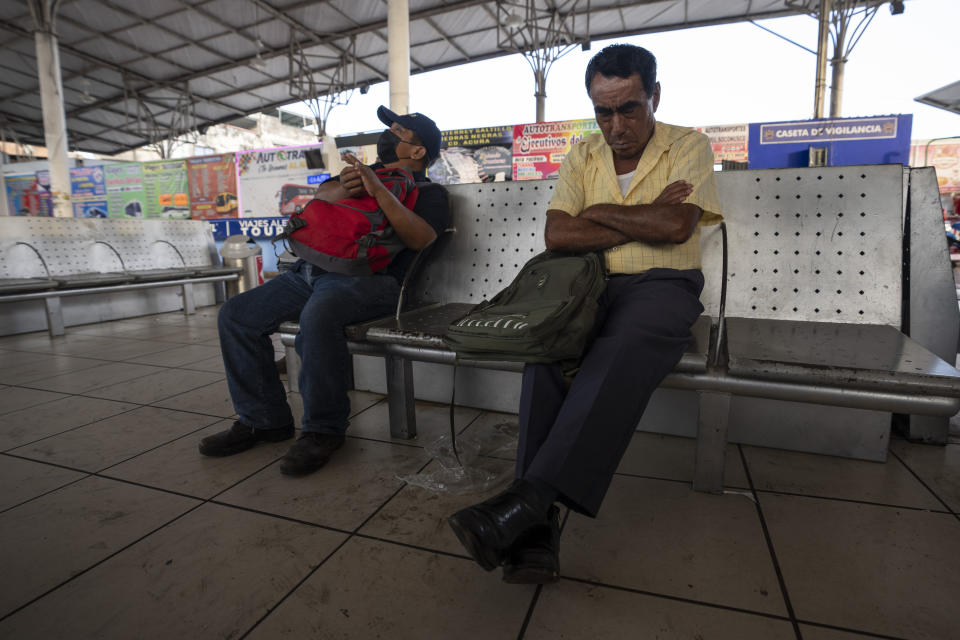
{"points": [[530, 575], [486, 557]]}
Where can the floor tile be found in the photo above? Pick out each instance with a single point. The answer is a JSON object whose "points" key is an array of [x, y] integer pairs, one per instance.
{"points": [[17, 398], [811, 632], [673, 457], [418, 517], [663, 537], [573, 610], [22, 367], [190, 335], [47, 540], [41, 342], [211, 399], [113, 440], [372, 589], [178, 466], [359, 478], [68, 412], [938, 467], [828, 476], [156, 386], [867, 567], [23, 479], [105, 374], [127, 350], [208, 364], [115, 328], [211, 574], [177, 356], [433, 421]]}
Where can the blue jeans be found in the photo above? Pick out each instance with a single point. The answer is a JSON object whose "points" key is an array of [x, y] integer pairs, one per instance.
{"points": [[324, 303]]}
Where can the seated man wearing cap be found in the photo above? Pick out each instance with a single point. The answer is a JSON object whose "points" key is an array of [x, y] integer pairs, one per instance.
{"points": [[324, 303]]}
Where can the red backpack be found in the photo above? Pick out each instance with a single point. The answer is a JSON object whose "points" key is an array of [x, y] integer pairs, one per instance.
{"points": [[351, 236]]}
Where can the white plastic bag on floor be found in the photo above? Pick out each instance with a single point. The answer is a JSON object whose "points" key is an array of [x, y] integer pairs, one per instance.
{"points": [[482, 453]]}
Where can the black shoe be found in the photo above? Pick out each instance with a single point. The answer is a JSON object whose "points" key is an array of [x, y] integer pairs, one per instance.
{"points": [[241, 437], [487, 530], [310, 452], [535, 557]]}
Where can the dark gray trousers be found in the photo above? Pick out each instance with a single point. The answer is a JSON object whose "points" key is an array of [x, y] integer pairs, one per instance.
{"points": [[573, 439]]}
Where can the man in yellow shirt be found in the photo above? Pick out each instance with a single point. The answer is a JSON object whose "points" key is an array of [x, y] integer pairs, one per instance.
{"points": [[638, 193]]}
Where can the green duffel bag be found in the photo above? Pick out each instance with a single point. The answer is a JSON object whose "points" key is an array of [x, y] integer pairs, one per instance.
{"points": [[545, 315]]}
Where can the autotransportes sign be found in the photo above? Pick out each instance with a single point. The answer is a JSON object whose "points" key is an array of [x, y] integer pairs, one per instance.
{"points": [[846, 141]]}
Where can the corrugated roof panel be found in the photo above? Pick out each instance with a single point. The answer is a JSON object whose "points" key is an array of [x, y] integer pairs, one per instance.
{"points": [[233, 46], [194, 25]]}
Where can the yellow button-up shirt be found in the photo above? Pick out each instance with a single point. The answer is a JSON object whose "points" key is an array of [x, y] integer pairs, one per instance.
{"points": [[587, 177]]}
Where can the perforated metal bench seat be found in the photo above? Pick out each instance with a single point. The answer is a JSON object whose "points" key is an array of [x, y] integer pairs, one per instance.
{"points": [[869, 357], [80, 280], [418, 334], [24, 285]]}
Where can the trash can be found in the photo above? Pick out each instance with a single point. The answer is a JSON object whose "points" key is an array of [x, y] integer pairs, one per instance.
{"points": [[241, 251]]}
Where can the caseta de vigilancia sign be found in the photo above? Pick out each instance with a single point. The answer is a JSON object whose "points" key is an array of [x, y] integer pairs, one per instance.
{"points": [[828, 130]]}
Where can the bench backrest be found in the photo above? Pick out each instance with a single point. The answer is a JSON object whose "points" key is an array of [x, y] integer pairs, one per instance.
{"points": [[804, 244], [818, 244], [38, 247], [498, 227]]}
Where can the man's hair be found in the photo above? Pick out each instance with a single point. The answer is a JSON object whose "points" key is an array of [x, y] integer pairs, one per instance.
{"points": [[622, 61]]}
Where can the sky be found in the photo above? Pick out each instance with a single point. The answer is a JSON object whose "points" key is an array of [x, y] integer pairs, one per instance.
{"points": [[727, 74]]}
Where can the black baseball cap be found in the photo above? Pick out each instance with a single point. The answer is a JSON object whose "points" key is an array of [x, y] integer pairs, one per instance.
{"points": [[425, 127]]}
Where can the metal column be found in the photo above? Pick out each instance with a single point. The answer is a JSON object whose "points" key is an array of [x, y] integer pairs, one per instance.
{"points": [[51, 98], [398, 53]]}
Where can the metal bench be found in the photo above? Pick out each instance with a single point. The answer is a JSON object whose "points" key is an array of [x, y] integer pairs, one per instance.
{"points": [[52, 260], [817, 301]]}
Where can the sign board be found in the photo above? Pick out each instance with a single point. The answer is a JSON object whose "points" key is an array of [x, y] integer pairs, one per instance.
{"points": [[729, 141], [255, 228], [275, 182], [165, 189], [846, 141], [482, 154], [539, 148], [213, 187], [125, 196], [88, 192]]}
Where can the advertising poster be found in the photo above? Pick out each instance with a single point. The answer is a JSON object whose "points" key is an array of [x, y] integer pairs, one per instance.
{"points": [[539, 148], [25, 195], [482, 154], [88, 191], [165, 189], [729, 141], [944, 156], [276, 182], [125, 197], [213, 187]]}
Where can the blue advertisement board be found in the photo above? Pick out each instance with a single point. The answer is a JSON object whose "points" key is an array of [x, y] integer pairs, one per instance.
{"points": [[845, 141]]}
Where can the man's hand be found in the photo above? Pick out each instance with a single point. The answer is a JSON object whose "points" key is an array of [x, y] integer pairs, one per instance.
{"points": [[363, 179], [674, 193], [351, 178]]}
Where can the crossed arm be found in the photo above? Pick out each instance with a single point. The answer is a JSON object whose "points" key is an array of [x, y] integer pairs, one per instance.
{"points": [[358, 179], [668, 219]]}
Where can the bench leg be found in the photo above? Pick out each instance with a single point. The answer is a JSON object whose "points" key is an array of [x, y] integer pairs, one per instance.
{"points": [[403, 417], [189, 306], [711, 441], [293, 367], [54, 316], [929, 429]]}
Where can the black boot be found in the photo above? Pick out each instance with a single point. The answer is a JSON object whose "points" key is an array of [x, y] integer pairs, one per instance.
{"points": [[486, 530], [535, 557], [241, 437], [310, 452]]}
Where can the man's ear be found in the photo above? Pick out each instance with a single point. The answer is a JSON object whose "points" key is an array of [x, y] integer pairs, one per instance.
{"points": [[419, 153], [656, 96]]}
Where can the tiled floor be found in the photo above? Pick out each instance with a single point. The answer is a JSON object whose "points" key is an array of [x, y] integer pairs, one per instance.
{"points": [[113, 526]]}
